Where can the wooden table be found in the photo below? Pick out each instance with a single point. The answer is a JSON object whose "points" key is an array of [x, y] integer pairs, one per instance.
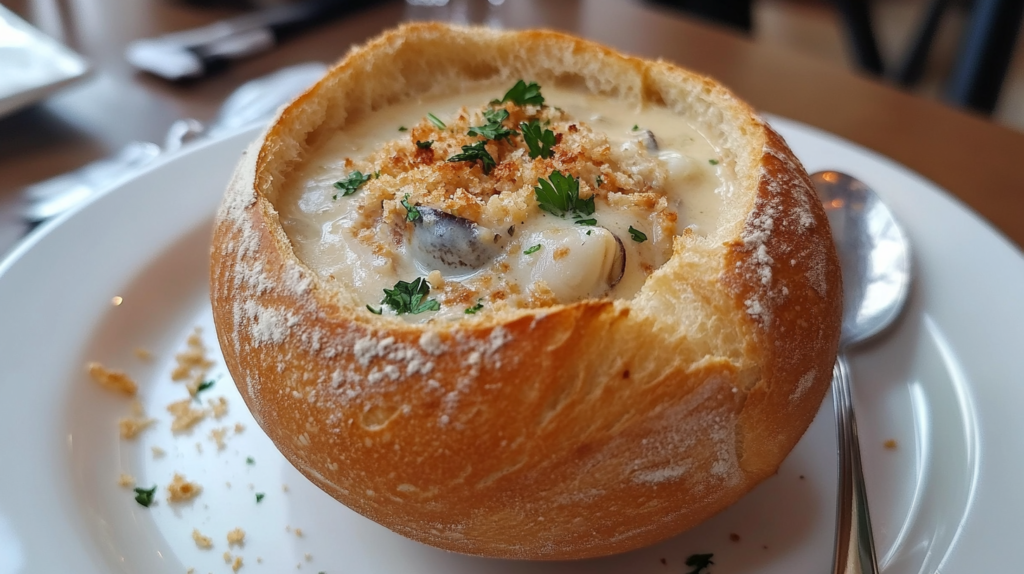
{"points": [[974, 159]]}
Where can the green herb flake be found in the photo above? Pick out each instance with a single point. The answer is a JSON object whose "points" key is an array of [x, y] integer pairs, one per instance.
{"points": [[493, 130], [403, 129], [637, 235], [713, 161], [144, 496], [590, 221], [202, 387], [476, 152], [378, 311], [559, 195], [532, 250], [259, 497], [472, 310], [410, 297], [539, 140], [436, 121], [425, 145], [250, 460], [351, 184], [523, 94], [699, 562], [411, 213], [635, 127], [376, 174], [600, 180]]}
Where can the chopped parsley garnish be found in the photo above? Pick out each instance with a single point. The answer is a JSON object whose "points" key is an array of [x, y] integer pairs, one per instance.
{"points": [[202, 387], [378, 311], [637, 235], [412, 213], [523, 94], [351, 184], [635, 127], [472, 310], [250, 460], [533, 249], [590, 221], [403, 129], [493, 130], [410, 297], [376, 174], [713, 161], [145, 497], [699, 562], [425, 145], [476, 152], [259, 497], [539, 140], [600, 180], [436, 121], [559, 195]]}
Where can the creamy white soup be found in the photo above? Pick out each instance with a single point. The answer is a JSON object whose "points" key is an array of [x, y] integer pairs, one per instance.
{"points": [[460, 212]]}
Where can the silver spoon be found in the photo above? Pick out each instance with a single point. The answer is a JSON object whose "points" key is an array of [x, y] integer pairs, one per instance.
{"points": [[875, 259], [251, 103]]}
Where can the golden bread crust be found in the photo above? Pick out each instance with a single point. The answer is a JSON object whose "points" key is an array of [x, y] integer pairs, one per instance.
{"points": [[574, 431]]}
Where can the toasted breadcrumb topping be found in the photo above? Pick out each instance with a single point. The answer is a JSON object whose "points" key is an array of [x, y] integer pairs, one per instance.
{"points": [[112, 380], [236, 537], [143, 354], [204, 542], [236, 564], [181, 490], [192, 364], [126, 480]]}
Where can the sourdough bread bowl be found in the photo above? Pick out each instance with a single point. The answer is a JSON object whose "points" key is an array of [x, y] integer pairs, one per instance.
{"points": [[526, 421]]}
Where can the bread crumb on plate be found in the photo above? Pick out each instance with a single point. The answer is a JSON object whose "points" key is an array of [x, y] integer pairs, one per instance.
{"points": [[237, 563], [185, 417], [181, 490], [112, 380], [204, 542], [236, 537], [126, 480]]}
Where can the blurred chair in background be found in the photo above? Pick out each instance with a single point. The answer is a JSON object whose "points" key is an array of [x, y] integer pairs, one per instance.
{"points": [[986, 45]]}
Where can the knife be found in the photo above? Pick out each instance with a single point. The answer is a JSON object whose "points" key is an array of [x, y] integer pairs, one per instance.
{"points": [[191, 54]]}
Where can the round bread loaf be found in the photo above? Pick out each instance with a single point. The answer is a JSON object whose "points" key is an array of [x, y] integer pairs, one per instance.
{"points": [[552, 431]]}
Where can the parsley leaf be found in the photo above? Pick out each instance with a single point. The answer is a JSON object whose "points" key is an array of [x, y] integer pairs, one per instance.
{"points": [[403, 129], [635, 127], [476, 152], [600, 180], [561, 196], [145, 497], [411, 213], [713, 161], [533, 249], [202, 387], [540, 142], [424, 145], [590, 221], [493, 130], [410, 297], [637, 235], [250, 460], [436, 121], [699, 562], [377, 311], [523, 94], [351, 184], [259, 497], [472, 310]]}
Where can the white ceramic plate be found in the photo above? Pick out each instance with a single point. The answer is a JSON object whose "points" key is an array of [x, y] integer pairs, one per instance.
{"points": [[32, 65], [944, 384]]}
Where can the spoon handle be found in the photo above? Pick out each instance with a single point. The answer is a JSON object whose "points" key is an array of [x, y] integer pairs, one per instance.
{"points": [[855, 545]]}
